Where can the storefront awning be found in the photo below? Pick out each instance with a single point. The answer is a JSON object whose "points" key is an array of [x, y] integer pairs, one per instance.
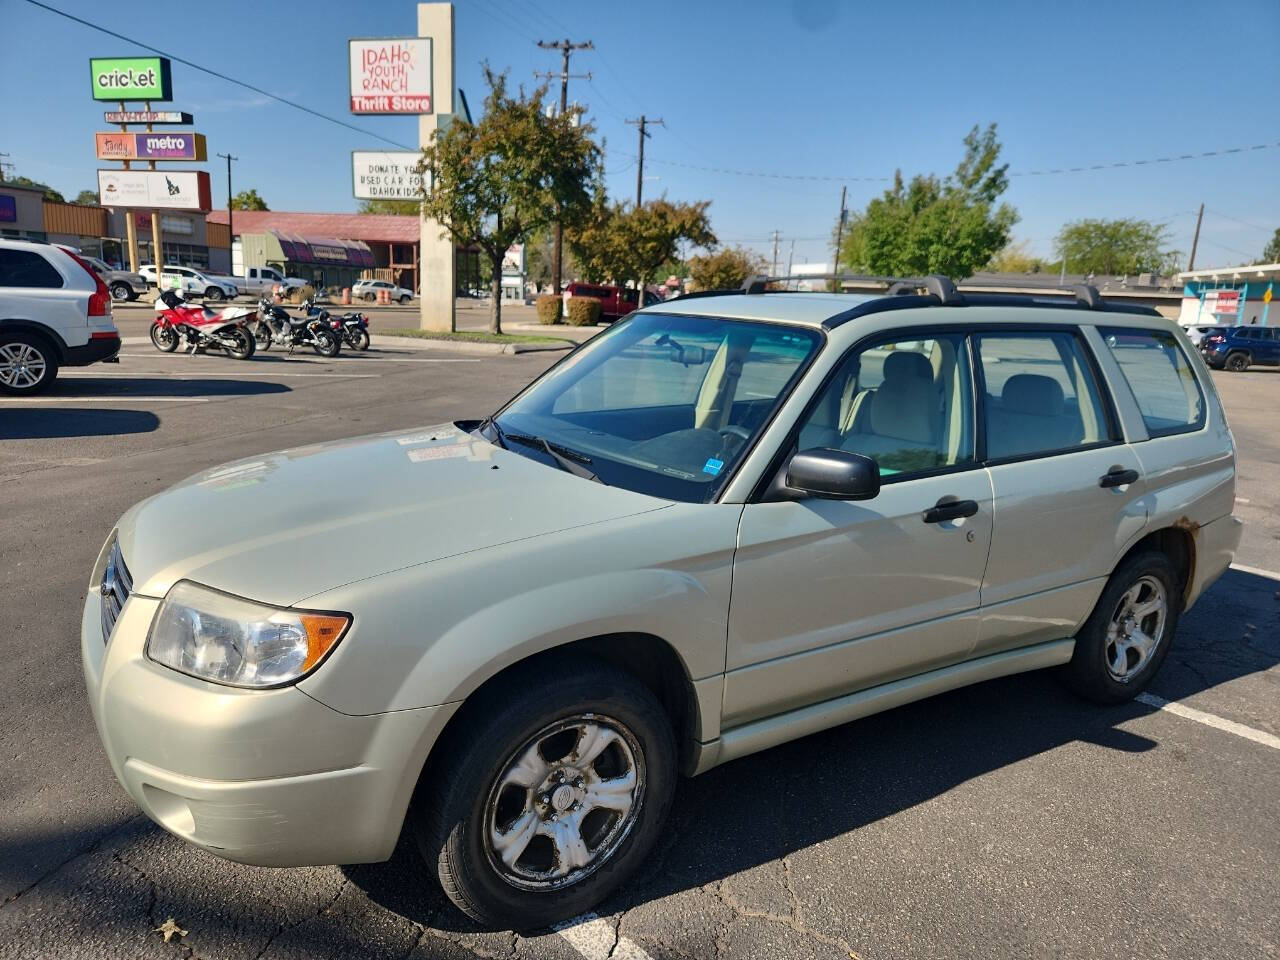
{"points": [[323, 250]]}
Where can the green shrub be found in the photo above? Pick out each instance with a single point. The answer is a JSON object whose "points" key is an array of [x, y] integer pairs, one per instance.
{"points": [[584, 311], [548, 308]]}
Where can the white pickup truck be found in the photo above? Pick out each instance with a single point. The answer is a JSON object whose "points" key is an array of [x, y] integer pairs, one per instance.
{"points": [[260, 280]]}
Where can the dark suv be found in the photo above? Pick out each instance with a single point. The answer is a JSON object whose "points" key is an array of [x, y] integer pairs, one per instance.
{"points": [[1236, 348]]}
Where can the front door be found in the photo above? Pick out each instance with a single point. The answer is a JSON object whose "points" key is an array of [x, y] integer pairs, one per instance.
{"points": [[831, 597]]}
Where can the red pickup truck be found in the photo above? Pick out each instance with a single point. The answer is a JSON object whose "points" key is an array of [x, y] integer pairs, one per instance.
{"points": [[615, 302]]}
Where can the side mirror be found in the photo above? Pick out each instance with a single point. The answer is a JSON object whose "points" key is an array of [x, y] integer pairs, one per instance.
{"points": [[834, 474]]}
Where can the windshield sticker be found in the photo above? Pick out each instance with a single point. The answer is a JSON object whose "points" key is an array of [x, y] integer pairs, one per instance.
{"points": [[683, 475], [713, 466]]}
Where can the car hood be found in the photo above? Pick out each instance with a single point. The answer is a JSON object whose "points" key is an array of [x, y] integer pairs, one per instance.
{"points": [[289, 525]]}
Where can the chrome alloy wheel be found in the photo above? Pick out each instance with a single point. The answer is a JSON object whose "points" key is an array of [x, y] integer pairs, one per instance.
{"points": [[564, 802], [1136, 628], [21, 365]]}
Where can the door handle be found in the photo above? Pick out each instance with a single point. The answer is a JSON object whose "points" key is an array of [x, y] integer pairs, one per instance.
{"points": [[950, 510], [1116, 477]]}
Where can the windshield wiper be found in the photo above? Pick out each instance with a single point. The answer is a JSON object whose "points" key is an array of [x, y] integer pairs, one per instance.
{"points": [[569, 460], [497, 431]]}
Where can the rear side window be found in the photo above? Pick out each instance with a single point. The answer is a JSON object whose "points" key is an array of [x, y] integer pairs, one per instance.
{"points": [[1161, 378], [1041, 396], [25, 268]]}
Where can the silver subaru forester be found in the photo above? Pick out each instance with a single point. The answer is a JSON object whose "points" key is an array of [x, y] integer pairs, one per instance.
{"points": [[726, 522]]}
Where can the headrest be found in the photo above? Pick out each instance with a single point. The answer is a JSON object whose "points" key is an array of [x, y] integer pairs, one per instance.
{"points": [[906, 364], [1034, 394]]}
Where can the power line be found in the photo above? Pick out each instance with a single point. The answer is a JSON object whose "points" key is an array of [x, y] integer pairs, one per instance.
{"points": [[220, 76], [1227, 216]]}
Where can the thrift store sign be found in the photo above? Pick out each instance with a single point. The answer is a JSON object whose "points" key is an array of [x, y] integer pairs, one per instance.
{"points": [[391, 75]]}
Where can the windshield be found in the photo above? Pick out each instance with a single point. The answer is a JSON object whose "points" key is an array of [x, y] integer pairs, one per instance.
{"points": [[661, 404]]}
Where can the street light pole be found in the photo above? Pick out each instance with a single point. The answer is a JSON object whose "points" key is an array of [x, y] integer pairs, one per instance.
{"points": [[231, 234]]}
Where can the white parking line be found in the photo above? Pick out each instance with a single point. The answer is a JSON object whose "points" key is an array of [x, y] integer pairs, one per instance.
{"points": [[1210, 720], [1256, 571], [155, 356], [122, 398], [220, 373], [594, 939]]}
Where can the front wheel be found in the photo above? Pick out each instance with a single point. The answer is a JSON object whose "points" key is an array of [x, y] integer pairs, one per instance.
{"points": [[163, 337], [1129, 633], [554, 795], [360, 339], [239, 344], [1237, 362], [262, 335], [370, 297], [215, 294], [326, 344], [404, 298]]}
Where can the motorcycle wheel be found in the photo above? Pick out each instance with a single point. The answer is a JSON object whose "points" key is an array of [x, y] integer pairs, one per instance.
{"points": [[360, 340], [244, 344], [163, 338], [262, 336], [326, 344]]}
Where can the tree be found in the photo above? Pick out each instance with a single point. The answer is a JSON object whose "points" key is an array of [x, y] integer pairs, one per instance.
{"points": [[49, 192], [1271, 253], [509, 176], [248, 200], [951, 226], [407, 208], [622, 242], [1115, 247], [1016, 258], [86, 198], [725, 269]]}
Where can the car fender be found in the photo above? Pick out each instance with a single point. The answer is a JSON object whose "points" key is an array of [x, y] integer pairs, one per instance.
{"points": [[60, 345]]}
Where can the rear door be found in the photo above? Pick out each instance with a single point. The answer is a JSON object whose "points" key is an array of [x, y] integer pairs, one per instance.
{"points": [[1068, 489], [45, 290]]}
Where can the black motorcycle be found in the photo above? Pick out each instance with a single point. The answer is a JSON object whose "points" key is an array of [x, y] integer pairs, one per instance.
{"points": [[353, 327], [277, 326]]}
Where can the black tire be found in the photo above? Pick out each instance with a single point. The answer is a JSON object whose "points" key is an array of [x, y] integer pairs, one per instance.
{"points": [[1089, 673], [215, 294], [163, 338], [244, 344], [450, 814], [370, 297], [404, 298], [360, 339], [121, 292], [28, 364], [1237, 362], [262, 335], [327, 345]]}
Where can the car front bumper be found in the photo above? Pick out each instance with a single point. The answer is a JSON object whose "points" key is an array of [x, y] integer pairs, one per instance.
{"points": [[266, 777]]}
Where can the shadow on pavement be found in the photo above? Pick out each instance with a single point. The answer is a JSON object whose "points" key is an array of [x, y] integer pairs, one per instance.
{"points": [[144, 386], [75, 422]]}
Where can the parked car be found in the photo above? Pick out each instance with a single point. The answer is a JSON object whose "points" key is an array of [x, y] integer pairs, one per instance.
{"points": [[369, 289], [55, 311], [263, 280], [615, 302], [124, 285], [1238, 348], [1197, 334], [193, 283], [907, 493]]}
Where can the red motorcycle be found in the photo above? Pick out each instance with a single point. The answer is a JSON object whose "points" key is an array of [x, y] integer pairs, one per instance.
{"points": [[198, 327]]}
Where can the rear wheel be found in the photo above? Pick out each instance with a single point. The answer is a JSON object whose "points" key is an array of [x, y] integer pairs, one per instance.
{"points": [[554, 796], [326, 344], [215, 294], [1237, 362], [121, 292], [262, 335], [370, 297], [1129, 633], [27, 364], [163, 338], [239, 344]]}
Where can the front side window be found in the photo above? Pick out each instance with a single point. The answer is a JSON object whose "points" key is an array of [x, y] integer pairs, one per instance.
{"points": [[662, 404], [1161, 379], [25, 268], [1041, 396], [906, 404]]}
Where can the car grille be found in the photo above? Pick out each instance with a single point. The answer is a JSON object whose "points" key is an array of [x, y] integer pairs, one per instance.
{"points": [[115, 589]]}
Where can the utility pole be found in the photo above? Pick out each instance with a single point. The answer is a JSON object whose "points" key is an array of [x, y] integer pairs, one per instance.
{"points": [[775, 253], [4, 162], [566, 47], [642, 123], [231, 234], [835, 268], [1195, 242]]}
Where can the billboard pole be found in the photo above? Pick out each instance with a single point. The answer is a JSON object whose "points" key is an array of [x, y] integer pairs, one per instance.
{"points": [[157, 247], [437, 277], [131, 228]]}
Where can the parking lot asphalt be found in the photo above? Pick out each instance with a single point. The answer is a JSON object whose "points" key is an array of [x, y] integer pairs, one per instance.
{"points": [[1005, 819]]}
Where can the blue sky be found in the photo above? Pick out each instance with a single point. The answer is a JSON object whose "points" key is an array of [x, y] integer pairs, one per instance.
{"points": [[811, 87]]}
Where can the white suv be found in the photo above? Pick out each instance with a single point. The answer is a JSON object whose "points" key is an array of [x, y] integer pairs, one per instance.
{"points": [[192, 282], [54, 311], [369, 290]]}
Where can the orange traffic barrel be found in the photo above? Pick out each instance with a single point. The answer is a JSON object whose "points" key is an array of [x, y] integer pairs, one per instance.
{"points": [[346, 296]]}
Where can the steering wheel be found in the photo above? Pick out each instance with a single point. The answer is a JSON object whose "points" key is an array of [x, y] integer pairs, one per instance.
{"points": [[730, 431]]}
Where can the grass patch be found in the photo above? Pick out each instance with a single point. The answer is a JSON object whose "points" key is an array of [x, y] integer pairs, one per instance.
{"points": [[471, 336]]}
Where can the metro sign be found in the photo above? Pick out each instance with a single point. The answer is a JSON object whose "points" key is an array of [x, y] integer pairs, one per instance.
{"points": [[391, 75]]}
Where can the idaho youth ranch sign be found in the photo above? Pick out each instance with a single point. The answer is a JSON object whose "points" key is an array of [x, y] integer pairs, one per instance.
{"points": [[391, 75]]}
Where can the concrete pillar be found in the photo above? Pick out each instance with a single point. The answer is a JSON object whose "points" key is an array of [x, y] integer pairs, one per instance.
{"points": [[436, 282]]}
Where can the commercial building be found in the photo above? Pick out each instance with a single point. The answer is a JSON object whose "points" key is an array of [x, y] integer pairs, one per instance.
{"points": [[1234, 296]]}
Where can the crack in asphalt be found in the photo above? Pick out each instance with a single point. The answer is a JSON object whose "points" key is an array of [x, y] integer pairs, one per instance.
{"points": [[49, 874], [795, 922], [190, 952], [284, 927]]}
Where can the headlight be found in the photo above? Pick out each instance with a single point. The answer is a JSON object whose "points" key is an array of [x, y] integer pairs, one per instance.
{"points": [[226, 639]]}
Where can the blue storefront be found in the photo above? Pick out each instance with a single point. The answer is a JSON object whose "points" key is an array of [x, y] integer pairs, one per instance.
{"points": [[1231, 296]]}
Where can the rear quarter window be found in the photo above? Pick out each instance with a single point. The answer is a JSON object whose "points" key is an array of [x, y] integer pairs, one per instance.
{"points": [[26, 268], [1160, 375]]}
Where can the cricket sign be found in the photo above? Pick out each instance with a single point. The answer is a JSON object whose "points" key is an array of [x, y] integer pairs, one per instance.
{"points": [[146, 116], [151, 146], [130, 78], [391, 75], [155, 189], [378, 175]]}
